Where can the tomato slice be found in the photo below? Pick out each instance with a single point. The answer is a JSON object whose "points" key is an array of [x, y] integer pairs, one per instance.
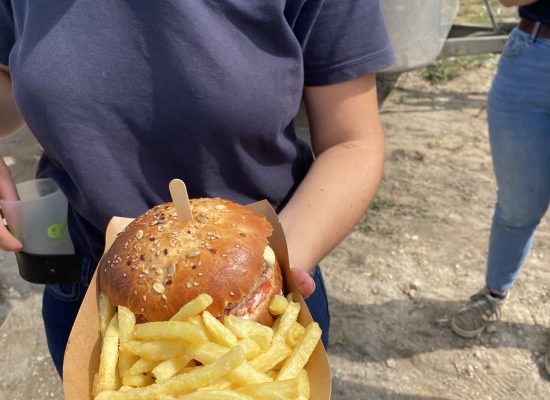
{"points": [[259, 295]]}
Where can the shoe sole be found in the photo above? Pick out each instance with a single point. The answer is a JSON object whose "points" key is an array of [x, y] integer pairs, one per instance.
{"points": [[466, 334]]}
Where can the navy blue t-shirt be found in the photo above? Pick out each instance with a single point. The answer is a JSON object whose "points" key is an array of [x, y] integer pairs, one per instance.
{"points": [[126, 95], [538, 11]]}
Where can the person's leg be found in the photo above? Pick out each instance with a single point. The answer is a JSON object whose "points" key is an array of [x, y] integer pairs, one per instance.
{"points": [[518, 111], [60, 305], [318, 305]]}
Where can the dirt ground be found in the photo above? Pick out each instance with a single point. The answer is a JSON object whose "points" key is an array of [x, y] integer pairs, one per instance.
{"points": [[395, 280], [421, 250]]}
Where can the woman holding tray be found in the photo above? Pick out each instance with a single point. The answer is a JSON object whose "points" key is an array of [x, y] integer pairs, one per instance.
{"points": [[125, 96]]}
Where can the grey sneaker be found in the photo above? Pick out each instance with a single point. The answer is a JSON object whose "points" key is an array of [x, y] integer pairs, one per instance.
{"points": [[478, 314]]}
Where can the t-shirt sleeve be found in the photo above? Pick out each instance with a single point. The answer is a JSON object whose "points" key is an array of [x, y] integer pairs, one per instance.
{"points": [[342, 40], [7, 35]]}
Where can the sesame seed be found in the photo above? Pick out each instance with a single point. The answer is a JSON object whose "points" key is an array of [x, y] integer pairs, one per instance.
{"points": [[135, 292], [201, 274], [139, 234], [124, 274], [232, 293], [146, 272], [142, 310], [242, 234], [219, 207], [195, 283], [144, 298], [159, 271], [163, 296], [189, 284], [158, 287], [192, 254]]}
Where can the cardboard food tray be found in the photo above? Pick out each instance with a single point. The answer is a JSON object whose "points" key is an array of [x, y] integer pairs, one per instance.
{"points": [[83, 349]]}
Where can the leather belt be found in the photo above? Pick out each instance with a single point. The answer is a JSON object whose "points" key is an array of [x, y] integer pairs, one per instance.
{"points": [[527, 26], [46, 269]]}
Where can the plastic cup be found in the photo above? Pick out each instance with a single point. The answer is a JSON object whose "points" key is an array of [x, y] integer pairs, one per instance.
{"points": [[39, 218]]}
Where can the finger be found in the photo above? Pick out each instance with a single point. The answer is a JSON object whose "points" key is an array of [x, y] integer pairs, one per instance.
{"points": [[7, 185], [304, 282], [7, 241]]}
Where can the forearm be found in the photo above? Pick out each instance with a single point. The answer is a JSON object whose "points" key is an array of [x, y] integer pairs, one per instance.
{"points": [[10, 118], [332, 198], [511, 3]]}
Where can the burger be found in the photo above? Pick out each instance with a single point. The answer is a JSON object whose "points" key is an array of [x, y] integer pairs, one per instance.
{"points": [[158, 263]]}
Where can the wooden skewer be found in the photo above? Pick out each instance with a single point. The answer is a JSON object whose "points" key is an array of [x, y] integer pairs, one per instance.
{"points": [[178, 191]]}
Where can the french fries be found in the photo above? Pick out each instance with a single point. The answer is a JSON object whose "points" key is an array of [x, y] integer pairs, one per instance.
{"points": [[197, 356]]}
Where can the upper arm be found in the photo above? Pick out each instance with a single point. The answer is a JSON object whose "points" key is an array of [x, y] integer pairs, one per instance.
{"points": [[342, 112]]}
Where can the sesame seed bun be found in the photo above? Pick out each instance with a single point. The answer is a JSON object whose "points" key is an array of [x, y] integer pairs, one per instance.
{"points": [[158, 263]]}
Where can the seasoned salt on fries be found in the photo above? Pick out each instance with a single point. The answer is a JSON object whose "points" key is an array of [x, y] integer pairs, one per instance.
{"points": [[196, 356]]}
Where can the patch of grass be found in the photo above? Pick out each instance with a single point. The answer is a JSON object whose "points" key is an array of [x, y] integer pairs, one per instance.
{"points": [[380, 203], [448, 69], [474, 12], [401, 99], [440, 72]]}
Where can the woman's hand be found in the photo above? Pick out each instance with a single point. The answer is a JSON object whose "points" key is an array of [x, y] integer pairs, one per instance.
{"points": [[7, 192], [304, 282]]}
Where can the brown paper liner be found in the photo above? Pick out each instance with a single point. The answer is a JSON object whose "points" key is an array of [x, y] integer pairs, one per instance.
{"points": [[83, 349]]}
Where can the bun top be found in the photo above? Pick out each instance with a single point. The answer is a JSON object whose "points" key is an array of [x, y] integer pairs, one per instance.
{"points": [[158, 263]]}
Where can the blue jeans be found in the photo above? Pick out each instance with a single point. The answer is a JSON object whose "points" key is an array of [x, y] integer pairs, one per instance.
{"points": [[518, 111], [61, 302]]}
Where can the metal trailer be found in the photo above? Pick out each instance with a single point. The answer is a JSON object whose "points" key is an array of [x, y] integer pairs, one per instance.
{"points": [[422, 31]]}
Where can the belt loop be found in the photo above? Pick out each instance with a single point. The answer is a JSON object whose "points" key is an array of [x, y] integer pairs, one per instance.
{"points": [[535, 31]]}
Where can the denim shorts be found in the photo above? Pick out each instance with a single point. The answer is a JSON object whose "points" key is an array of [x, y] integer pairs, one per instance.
{"points": [[61, 302]]}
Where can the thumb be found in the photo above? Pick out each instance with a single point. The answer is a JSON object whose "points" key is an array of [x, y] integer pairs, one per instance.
{"points": [[304, 282], [7, 241]]}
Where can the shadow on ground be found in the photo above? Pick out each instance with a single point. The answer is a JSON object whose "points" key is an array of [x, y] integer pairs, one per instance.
{"points": [[413, 327]]}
